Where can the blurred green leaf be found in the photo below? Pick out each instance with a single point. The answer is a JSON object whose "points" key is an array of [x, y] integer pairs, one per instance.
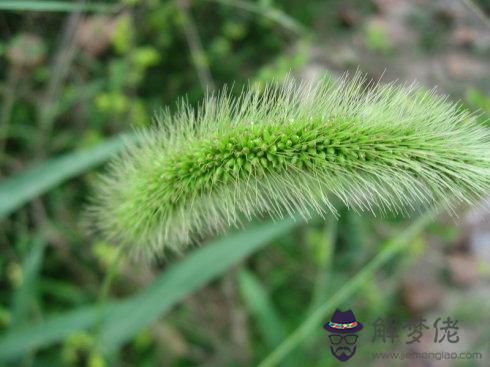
{"points": [[121, 320], [19, 189], [56, 6], [260, 305]]}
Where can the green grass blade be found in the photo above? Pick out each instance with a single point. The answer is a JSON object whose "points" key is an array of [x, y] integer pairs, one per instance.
{"points": [[388, 250], [125, 318], [261, 307], [325, 258], [193, 271], [24, 296], [54, 6], [268, 12], [19, 189], [21, 341]]}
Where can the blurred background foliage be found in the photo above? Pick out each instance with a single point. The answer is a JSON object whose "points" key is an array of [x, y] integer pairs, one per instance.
{"points": [[74, 74]]}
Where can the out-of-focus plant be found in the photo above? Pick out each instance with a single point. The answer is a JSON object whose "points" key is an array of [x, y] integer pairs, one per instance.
{"points": [[377, 38], [480, 102]]}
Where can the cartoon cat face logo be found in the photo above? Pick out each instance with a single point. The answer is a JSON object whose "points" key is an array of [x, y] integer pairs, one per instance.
{"points": [[343, 328]]}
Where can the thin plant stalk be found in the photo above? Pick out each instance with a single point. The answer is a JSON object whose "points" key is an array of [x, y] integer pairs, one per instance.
{"points": [[390, 249], [105, 287], [196, 49]]}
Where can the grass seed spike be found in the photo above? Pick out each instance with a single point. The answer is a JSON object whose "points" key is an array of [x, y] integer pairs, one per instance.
{"points": [[285, 149]]}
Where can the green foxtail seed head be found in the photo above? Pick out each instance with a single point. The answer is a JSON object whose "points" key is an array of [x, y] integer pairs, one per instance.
{"points": [[286, 149]]}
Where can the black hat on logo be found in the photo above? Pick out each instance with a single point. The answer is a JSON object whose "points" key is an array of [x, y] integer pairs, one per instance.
{"points": [[343, 322]]}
